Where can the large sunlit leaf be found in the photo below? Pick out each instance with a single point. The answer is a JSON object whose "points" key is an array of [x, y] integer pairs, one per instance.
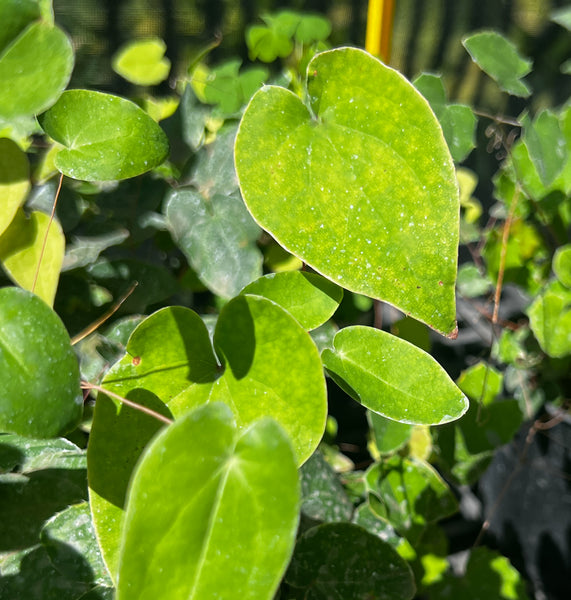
{"points": [[342, 560], [308, 297], [393, 377], [499, 58], [142, 62], [218, 237], [21, 247], [193, 505], [39, 387], [105, 137], [14, 181], [34, 70], [359, 184]]}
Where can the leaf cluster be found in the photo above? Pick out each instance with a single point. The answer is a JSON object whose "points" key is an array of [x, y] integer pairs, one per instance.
{"points": [[231, 244]]}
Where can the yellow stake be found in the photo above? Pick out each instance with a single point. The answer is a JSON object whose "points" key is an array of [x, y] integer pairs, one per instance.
{"points": [[379, 28]]}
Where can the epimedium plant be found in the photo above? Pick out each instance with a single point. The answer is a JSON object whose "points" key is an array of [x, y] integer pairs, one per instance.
{"points": [[208, 464]]}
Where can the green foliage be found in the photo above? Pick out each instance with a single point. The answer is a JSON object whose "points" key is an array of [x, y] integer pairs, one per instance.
{"points": [[191, 538], [143, 62], [105, 137], [347, 217], [499, 58], [262, 225]]}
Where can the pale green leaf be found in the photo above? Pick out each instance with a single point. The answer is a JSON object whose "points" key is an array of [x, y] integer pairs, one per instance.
{"points": [[562, 264], [14, 181], [21, 247], [393, 377], [353, 187], [105, 137], [562, 17], [183, 525], [550, 320], [499, 58], [39, 389], [308, 297], [34, 70], [142, 62]]}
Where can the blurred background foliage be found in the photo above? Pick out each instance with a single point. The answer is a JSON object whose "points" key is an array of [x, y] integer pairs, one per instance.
{"points": [[426, 37]]}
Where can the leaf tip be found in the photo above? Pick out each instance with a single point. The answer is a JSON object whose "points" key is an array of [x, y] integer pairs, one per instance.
{"points": [[453, 334]]}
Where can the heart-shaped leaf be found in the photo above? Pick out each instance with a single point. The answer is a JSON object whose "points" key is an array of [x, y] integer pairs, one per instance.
{"points": [[393, 377], [359, 183], [34, 70], [143, 62], [105, 137], [39, 387], [308, 297], [21, 247], [203, 488], [14, 181]]}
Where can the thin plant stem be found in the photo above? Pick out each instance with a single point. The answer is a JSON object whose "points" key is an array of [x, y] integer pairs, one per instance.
{"points": [[91, 328], [92, 386], [44, 244], [503, 255]]}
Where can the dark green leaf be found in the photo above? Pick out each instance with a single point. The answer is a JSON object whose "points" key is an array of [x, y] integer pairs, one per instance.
{"points": [[217, 236], [322, 495], [343, 561], [39, 387], [70, 542]]}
